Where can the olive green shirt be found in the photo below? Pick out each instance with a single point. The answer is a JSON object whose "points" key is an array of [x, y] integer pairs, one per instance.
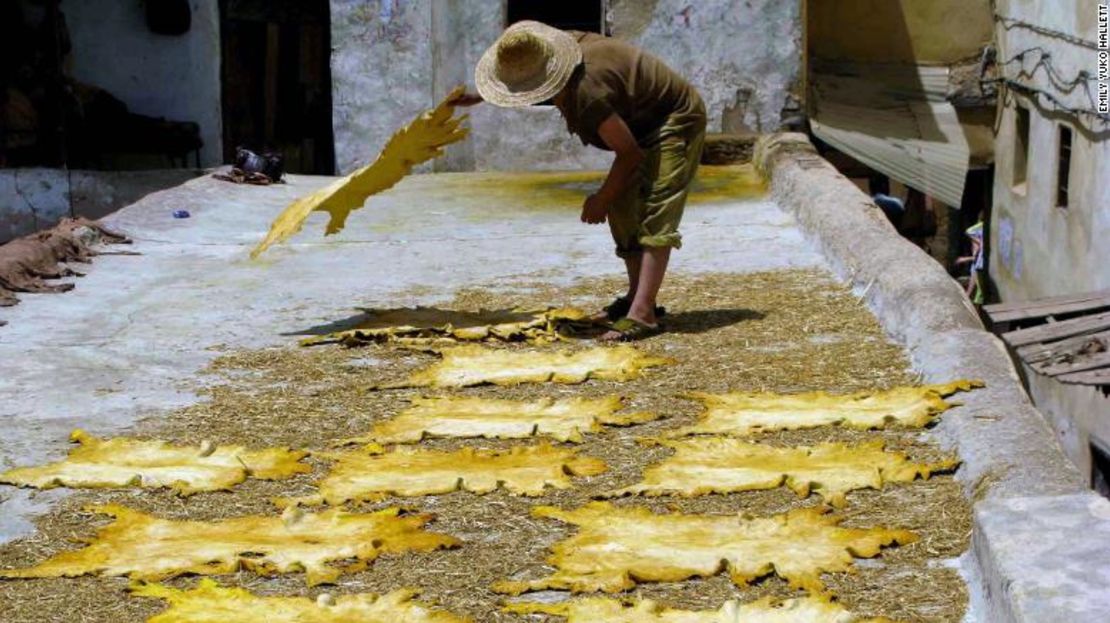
{"points": [[616, 77]]}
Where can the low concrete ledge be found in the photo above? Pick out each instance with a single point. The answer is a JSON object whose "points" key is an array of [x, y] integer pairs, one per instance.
{"points": [[1013, 468], [1049, 559]]}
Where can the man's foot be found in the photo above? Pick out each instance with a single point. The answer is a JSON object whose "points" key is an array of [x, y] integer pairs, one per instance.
{"points": [[629, 329], [619, 308]]}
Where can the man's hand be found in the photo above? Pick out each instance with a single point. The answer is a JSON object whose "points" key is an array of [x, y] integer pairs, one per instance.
{"points": [[594, 211], [465, 99]]}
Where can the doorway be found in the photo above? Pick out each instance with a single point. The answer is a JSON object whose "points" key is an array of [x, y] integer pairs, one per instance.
{"points": [[584, 15], [276, 81]]}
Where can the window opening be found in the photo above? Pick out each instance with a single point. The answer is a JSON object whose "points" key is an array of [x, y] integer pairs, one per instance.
{"points": [[1021, 147], [1063, 167]]}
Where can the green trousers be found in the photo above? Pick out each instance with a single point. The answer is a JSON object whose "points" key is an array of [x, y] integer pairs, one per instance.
{"points": [[649, 213]]}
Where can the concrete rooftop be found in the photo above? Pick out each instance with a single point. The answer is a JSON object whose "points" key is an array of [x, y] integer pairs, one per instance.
{"points": [[119, 346]]}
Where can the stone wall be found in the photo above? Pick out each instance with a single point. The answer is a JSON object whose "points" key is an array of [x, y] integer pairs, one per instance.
{"points": [[32, 200], [395, 58], [1038, 248]]}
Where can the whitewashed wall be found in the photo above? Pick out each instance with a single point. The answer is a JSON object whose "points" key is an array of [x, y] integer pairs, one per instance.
{"points": [[394, 58], [1039, 248], [176, 77]]}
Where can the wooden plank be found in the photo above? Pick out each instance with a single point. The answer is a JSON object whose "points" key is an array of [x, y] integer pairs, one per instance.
{"points": [[1090, 377], [1081, 364], [1051, 300], [1054, 306], [1036, 353], [1058, 330]]}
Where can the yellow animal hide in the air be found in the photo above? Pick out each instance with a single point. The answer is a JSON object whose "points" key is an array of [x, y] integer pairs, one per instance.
{"points": [[745, 413], [458, 416], [211, 603], [469, 365], [423, 326], [616, 547], [111, 463], [408, 471], [420, 141], [149, 548], [766, 610], [704, 465]]}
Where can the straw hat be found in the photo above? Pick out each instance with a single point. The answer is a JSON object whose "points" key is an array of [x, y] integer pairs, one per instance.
{"points": [[530, 63]]}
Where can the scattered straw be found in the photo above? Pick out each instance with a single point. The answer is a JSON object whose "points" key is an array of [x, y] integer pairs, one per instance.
{"points": [[777, 331]]}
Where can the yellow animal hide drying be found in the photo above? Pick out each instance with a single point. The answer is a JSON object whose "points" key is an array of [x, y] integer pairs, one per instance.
{"points": [[456, 416], [211, 603], [410, 471], [745, 413], [470, 365], [420, 141], [111, 463], [703, 465], [766, 610], [148, 548], [428, 326], [617, 547]]}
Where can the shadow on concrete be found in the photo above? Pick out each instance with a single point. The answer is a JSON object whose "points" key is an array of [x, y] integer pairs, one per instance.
{"points": [[421, 317], [703, 320], [696, 321]]}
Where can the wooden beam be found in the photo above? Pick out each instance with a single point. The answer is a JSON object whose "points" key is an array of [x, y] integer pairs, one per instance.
{"points": [[1054, 306], [1090, 377], [1058, 330], [1082, 364], [1036, 353]]}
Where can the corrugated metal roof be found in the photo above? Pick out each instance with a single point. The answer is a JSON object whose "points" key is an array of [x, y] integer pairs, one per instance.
{"points": [[896, 121]]}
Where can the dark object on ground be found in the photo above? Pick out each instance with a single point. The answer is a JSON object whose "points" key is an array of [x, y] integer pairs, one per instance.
{"points": [[168, 17], [270, 164], [252, 168], [728, 148], [181, 214], [25, 263]]}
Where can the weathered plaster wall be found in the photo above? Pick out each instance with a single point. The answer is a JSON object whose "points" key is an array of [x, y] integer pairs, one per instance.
{"points": [[1077, 413], [743, 56], [394, 58], [381, 73], [914, 31], [532, 138], [1039, 249], [35, 199], [176, 77]]}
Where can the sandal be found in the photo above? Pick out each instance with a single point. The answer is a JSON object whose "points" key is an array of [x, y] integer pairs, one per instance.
{"points": [[633, 330], [620, 307]]}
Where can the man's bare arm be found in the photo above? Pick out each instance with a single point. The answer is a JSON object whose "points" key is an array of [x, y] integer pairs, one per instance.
{"points": [[616, 135]]}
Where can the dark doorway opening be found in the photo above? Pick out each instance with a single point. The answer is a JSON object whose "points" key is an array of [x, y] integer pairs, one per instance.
{"points": [[1063, 167], [1100, 470], [276, 79], [584, 15]]}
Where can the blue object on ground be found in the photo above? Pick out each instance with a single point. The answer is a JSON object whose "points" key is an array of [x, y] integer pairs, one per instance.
{"points": [[181, 214]]}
